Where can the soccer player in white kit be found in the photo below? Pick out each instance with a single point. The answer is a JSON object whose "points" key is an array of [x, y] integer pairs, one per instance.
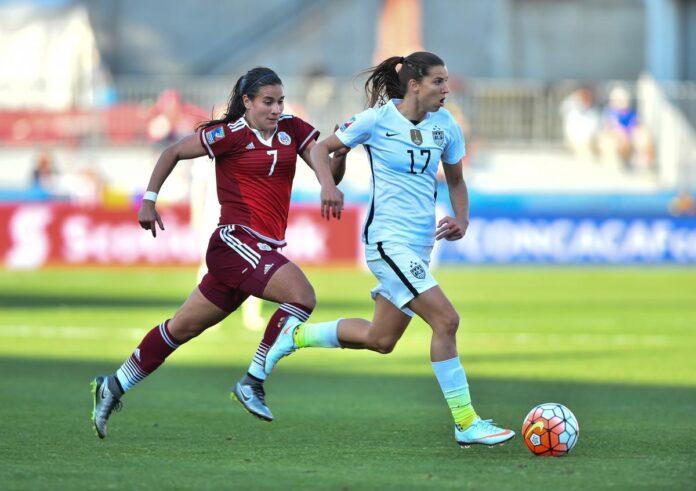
{"points": [[406, 132]]}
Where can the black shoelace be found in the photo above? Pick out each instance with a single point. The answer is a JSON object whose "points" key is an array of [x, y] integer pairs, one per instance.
{"points": [[259, 392]]}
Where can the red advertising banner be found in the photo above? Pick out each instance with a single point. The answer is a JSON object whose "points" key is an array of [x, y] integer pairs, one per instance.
{"points": [[34, 235]]}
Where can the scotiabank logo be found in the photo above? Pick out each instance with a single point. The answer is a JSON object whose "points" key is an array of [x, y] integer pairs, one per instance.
{"points": [[38, 235], [29, 244], [86, 240], [306, 238], [32, 236]]}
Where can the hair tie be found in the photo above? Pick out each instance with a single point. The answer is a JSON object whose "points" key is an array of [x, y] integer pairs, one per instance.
{"points": [[402, 59]]}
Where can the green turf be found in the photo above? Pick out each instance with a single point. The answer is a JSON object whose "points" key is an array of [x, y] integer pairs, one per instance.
{"points": [[615, 345]]}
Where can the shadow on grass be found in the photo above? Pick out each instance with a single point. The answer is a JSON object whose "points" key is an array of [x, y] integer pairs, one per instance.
{"points": [[332, 431], [43, 301]]}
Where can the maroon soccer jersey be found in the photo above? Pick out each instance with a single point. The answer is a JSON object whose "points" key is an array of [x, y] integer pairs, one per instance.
{"points": [[254, 176]]}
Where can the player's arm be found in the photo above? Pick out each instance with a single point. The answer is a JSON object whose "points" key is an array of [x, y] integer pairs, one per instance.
{"points": [[337, 162], [188, 147], [329, 172], [454, 228]]}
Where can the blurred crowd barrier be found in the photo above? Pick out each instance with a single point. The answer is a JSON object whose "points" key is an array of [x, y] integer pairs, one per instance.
{"points": [[35, 235], [566, 239]]}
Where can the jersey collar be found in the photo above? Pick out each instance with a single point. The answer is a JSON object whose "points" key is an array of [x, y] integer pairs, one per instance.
{"points": [[269, 142], [395, 102]]}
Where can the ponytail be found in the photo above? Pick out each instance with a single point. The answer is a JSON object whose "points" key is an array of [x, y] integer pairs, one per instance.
{"points": [[385, 82]]}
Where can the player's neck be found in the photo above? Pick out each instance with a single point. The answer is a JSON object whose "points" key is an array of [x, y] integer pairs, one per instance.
{"points": [[264, 134], [410, 110]]}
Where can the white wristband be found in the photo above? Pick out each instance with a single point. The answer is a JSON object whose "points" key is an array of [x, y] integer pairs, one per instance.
{"points": [[150, 196]]}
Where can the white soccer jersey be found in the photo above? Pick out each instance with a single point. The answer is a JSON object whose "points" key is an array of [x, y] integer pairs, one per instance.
{"points": [[403, 159]]}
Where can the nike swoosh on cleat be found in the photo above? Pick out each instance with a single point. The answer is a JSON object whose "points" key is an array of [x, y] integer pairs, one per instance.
{"points": [[502, 433], [245, 397]]}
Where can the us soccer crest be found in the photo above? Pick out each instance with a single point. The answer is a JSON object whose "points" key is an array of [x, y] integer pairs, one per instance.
{"points": [[417, 270], [439, 137], [416, 137]]}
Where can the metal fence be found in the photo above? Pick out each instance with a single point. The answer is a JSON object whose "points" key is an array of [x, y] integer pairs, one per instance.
{"points": [[518, 112], [497, 111]]}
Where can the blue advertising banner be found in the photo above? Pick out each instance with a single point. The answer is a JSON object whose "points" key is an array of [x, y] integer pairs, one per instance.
{"points": [[563, 240]]}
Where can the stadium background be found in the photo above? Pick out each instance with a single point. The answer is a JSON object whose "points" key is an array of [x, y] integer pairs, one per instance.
{"points": [[91, 92]]}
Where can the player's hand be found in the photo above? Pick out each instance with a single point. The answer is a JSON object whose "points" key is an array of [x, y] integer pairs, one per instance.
{"points": [[331, 202], [450, 228], [149, 218]]}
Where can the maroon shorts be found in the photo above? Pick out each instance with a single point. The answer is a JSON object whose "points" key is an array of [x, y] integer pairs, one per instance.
{"points": [[239, 265]]}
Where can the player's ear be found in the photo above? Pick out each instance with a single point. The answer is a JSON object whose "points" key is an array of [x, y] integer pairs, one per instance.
{"points": [[413, 85], [246, 101]]}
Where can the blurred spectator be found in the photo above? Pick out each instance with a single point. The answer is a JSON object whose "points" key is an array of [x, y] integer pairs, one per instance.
{"points": [[464, 124], [463, 121], [684, 204], [623, 138], [581, 122], [44, 176], [171, 118]]}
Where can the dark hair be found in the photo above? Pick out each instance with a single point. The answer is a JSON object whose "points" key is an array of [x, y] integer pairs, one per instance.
{"points": [[248, 84], [385, 82]]}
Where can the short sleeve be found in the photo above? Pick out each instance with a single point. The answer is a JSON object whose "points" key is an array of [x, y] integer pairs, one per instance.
{"points": [[357, 129], [455, 149], [304, 132], [217, 140]]}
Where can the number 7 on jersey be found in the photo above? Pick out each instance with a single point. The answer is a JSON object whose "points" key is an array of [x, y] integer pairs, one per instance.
{"points": [[275, 159]]}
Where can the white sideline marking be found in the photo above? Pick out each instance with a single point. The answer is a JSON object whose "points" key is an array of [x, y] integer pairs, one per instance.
{"points": [[68, 332]]}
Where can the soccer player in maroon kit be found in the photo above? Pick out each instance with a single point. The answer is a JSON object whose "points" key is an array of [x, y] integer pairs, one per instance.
{"points": [[255, 148]]}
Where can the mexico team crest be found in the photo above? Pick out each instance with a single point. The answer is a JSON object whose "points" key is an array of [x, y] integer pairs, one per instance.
{"points": [[284, 138], [439, 137], [416, 137], [417, 270]]}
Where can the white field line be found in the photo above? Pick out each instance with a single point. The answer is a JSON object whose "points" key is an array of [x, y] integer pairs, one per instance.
{"points": [[68, 332]]}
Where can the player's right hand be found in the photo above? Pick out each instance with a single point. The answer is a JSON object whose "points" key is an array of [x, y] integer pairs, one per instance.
{"points": [[149, 218]]}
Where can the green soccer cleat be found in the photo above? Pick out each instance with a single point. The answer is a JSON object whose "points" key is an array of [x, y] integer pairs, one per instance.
{"points": [[105, 402], [482, 432]]}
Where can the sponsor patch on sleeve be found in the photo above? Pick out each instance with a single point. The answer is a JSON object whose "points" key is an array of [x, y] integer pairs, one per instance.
{"points": [[216, 134], [345, 125]]}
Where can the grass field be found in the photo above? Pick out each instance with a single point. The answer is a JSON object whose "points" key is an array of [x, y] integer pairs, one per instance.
{"points": [[615, 345]]}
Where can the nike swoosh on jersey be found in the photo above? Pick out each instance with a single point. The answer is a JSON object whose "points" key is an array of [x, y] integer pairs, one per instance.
{"points": [[392, 134]]}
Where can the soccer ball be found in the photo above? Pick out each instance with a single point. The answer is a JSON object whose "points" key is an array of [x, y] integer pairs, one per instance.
{"points": [[550, 429]]}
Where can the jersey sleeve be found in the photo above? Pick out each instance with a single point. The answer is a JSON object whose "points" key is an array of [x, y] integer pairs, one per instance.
{"points": [[304, 132], [217, 140], [357, 129], [455, 149]]}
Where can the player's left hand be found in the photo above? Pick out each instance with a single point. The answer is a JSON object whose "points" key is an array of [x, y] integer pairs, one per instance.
{"points": [[331, 202], [449, 228]]}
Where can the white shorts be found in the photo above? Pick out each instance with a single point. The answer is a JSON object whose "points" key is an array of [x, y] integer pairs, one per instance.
{"points": [[402, 271]]}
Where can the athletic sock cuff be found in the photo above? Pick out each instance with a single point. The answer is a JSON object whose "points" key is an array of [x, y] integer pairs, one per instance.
{"points": [[298, 310]]}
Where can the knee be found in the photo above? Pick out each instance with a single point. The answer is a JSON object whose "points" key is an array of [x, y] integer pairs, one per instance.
{"points": [[383, 345], [183, 329], [306, 297], [448, 324]]}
